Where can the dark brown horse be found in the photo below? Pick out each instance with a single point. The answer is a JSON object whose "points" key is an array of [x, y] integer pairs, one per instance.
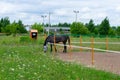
{"points": [[58, 38]]}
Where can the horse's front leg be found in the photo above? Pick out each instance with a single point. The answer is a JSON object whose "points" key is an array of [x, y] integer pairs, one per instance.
{"points": [[51, 47], [65, 48]]}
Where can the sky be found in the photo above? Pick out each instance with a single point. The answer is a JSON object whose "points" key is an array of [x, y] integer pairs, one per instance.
{"points": [[30, 11]]}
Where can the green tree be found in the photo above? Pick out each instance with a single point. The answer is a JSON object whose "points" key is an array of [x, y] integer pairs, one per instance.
{"points": [[21, 27], [104, 27], [91, 26], [78, 28], [3, 23], [12, 28], [118, 30], [37, 26], [63, 25], [112, 32], [0, 26], [96, 30], [114, 28]]}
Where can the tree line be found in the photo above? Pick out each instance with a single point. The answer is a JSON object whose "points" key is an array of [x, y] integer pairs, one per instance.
{"points": [[104, 28], [11, 28], [16, 27]]}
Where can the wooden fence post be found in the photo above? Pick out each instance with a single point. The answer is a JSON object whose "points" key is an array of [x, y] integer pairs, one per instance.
{"points": [[54, 44], [107, 43], [81, 43], [92, 50], [70, 49]]}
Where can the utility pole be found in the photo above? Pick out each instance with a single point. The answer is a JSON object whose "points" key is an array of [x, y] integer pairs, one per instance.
{"points": [[49, 23], [76, 12], [43, 16]]}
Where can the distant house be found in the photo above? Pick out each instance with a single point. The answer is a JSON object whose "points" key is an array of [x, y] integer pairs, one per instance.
{"points": [[53, 29]]}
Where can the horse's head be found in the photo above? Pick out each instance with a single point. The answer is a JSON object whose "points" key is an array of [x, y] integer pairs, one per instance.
{"points": [[45, 48]]}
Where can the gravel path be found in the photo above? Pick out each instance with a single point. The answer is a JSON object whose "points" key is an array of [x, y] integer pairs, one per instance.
{"points": [[104, 61]]}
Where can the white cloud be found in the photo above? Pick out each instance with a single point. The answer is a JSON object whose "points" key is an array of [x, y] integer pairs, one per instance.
{"points": [[118, 8], [62, 10], [6, 8], [86, 9]]}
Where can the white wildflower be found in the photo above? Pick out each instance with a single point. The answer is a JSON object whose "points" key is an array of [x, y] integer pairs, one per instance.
{"points": [[36, 61], [12, 69], [23, 65], [44, 66], [35, 73]]}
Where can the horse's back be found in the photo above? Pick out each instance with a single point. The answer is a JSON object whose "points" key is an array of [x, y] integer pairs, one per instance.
{"points": [[58, 38]]}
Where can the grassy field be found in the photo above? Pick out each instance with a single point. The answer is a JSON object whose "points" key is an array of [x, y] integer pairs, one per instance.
{"points": [[114, 47], [21, 60]]}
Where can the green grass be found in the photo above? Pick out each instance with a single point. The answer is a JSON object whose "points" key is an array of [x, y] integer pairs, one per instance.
{"points": [[114, 47], [27, 61]]}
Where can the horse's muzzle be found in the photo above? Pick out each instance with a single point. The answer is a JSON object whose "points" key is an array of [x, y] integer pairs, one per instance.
{"points": [[45, 49]]}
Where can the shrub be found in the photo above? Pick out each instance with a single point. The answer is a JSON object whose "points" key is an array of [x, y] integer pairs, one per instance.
{"points": [[25, 39]]}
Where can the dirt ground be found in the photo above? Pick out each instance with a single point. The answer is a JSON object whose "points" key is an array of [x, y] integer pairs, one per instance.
{"points": [[103, 61]]}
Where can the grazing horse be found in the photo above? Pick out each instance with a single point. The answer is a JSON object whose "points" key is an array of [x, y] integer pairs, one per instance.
{"points": [[60, 38]]}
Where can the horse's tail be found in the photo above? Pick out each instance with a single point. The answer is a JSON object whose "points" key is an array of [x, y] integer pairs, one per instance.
{"points": [[68, 40]]}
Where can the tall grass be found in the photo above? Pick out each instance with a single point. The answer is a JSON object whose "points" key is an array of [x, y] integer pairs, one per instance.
{"points": [[27, 61]]}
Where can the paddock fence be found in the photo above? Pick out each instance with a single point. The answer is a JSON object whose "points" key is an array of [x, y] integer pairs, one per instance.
{"points": [[78, 43]]}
